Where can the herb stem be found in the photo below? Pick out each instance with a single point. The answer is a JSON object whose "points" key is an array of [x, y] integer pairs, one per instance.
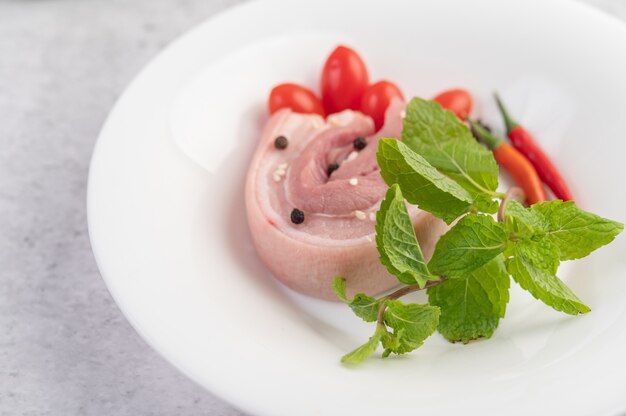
{"points": [[514, 193], [401, 292]]}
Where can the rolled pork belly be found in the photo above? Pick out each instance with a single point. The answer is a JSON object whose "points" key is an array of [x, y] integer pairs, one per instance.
{"points": [[312, 192]]}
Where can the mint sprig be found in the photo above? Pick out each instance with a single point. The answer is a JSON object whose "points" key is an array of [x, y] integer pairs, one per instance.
{"points": [[439, 167]]}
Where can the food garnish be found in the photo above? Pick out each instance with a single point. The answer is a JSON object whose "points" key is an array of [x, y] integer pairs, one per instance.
{"points": [[439, 167], [376, 99], [524, 142], [457, 100], [281, 142], [344, 80], [359, 143], [297, 216], [296, 97], [513, 162]]}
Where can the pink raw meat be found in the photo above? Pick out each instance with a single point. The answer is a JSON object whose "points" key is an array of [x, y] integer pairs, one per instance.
{"points": [[337, 237]]}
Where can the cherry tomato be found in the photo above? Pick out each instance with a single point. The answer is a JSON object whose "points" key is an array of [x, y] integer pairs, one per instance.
{"points": [[295, 97], [376, 99], [457, 100], [344, 79]]}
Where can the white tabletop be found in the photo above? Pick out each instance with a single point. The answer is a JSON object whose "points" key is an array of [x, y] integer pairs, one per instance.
{"points": [[65, 348]]}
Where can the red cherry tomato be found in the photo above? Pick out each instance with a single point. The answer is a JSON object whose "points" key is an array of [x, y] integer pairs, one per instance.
{"points": [[376, 99], [295, 97], [344, 79], [458, 101]]}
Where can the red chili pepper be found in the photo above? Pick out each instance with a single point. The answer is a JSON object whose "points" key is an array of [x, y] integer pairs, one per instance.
{"points": [[514, 162], [523, 141]]}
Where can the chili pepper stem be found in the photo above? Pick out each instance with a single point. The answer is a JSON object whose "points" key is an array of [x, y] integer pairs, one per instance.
{"points": [[508, 121], [514, 162], [483, 135]]}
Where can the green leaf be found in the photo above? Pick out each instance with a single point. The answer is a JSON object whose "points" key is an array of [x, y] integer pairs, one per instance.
{"points": [[522, 221], [421, 184], [339, 287], [576, 233], [448, 145], [411, 324], [365, 350], [533, 266], [363, 306], [397, 244], [473, 241], [471, 308]]}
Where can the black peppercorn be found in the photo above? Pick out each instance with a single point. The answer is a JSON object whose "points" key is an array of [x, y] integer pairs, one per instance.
{"points": [[281, 142], [331, 168], [359, 143], [297, 216]]}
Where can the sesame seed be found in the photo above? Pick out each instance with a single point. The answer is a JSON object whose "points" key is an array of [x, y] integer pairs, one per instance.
{"points": [[280, 172], [360, 214], [402, 114], [353, 155], [340, 119], [276, 177], [372, 216], [282, 166], [318, 122], [369, 238], [334, 121], [354, 181]]}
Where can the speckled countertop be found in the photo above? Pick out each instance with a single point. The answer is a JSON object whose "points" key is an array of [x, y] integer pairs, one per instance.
{"points": [[65, 348]]}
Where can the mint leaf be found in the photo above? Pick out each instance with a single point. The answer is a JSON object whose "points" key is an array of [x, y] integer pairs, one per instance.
{"points": [[365, 350], [363, 306], [339, 287], [522, 221], [448, 145], [472, 242], [576, 233], [411, 324], [540, 237], [533, 266], [397, 244], [421, 184], [471, 308]]}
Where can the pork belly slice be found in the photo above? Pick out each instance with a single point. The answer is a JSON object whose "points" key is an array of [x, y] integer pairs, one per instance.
{"points": [[337, 236]]}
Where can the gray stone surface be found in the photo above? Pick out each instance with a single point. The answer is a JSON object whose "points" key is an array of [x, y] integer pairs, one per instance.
{"points": [[65, 348]]}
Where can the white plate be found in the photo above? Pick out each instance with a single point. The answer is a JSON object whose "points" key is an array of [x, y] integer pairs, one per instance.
{"points": [[171, 239]]}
